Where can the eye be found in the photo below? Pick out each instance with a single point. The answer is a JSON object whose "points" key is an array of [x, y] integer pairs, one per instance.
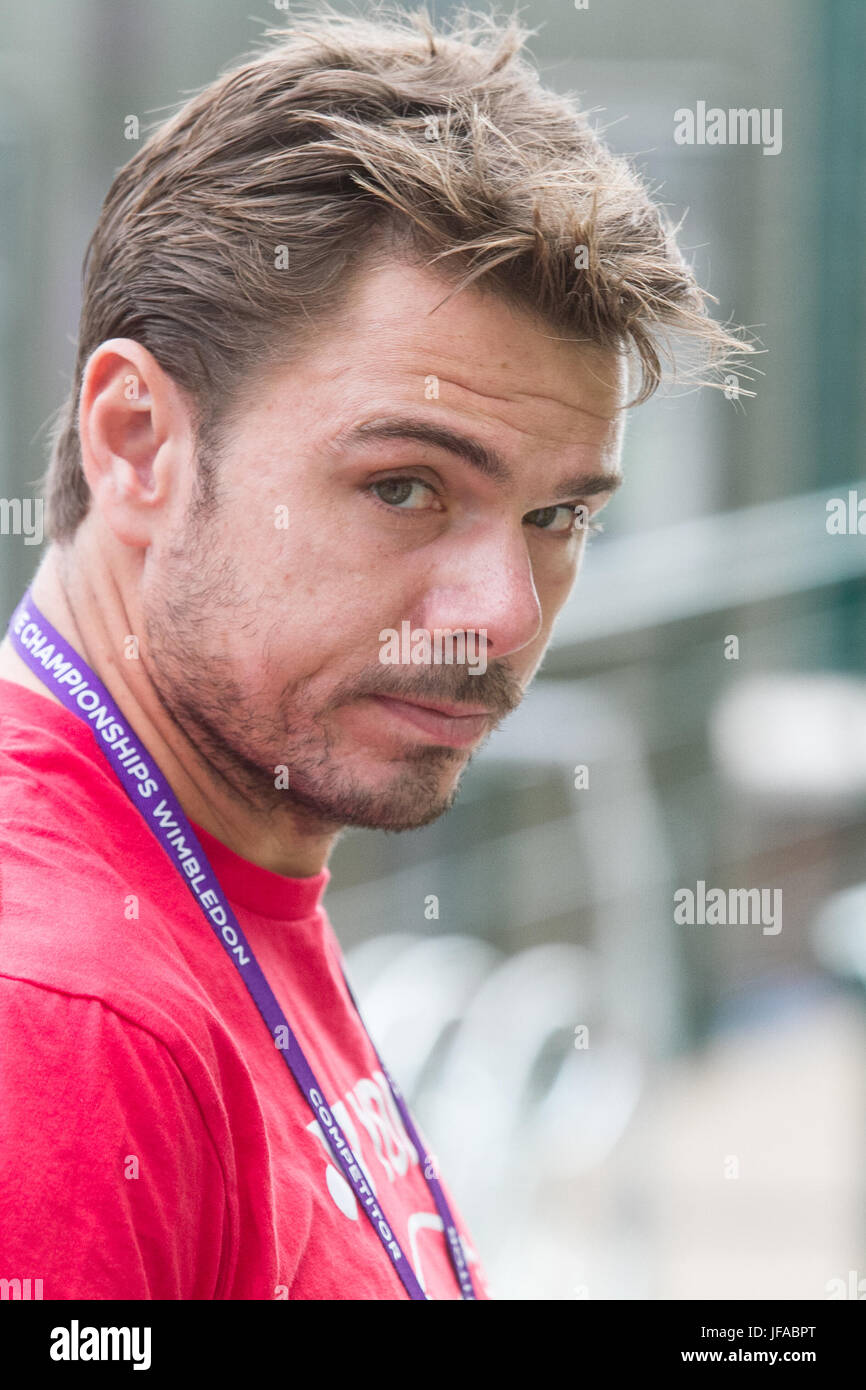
{"points": [[560, 521], [405, 494]]}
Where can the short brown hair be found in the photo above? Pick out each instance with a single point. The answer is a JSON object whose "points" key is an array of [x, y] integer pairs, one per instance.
{"points": [[348, 137]]}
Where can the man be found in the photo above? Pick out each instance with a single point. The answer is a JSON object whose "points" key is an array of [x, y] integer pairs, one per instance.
{"points": [[355, 346]]}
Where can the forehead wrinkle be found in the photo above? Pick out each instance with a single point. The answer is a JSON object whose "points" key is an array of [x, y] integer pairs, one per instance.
{"points": [[608, 442], [528, 396]]}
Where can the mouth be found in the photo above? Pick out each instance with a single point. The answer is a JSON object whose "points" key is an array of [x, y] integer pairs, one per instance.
{"points": [[455, 726]]}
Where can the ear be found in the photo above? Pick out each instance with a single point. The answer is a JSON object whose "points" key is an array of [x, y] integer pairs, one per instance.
{"points": [[137, 439]]}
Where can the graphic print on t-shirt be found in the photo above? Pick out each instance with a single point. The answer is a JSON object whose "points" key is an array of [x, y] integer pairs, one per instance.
{"points": [[371, 1104]]}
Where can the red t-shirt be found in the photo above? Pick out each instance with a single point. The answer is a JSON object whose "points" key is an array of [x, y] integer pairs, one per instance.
{"points": [[153, 1142]]}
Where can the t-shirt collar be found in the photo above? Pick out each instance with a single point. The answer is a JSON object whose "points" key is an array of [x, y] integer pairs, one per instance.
{"points": [[261, 890]]}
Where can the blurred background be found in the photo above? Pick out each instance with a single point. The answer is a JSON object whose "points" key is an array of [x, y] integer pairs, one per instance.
{"points": [[623, 1106]]}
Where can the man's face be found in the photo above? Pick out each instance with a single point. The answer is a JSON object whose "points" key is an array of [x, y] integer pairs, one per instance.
{"points": [[335, 520]]}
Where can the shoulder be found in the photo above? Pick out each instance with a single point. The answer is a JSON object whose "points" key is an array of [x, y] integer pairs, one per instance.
{"points": [[118, 1186], [89, 905]]}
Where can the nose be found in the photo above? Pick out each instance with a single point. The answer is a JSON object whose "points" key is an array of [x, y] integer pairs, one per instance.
{"points": [[485, 582]]}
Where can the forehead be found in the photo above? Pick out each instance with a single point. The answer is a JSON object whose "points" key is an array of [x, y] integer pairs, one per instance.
{"points": [[405, 323], [471, 361]]}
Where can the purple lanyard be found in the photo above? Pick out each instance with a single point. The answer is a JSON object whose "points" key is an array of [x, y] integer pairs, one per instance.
{"points": [[65, 673]]}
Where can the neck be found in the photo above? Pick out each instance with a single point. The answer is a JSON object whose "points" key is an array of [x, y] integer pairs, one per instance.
{"points": [[89, 612]]}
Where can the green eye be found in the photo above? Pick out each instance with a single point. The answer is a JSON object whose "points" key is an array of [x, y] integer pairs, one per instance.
{"points": [[396, 492], [559, 520]]}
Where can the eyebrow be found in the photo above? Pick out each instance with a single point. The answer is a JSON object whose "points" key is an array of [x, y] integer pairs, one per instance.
{"points": [[479, 456]]}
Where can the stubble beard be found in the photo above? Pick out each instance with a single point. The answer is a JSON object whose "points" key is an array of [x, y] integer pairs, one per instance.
{"points": [[241, 744]]}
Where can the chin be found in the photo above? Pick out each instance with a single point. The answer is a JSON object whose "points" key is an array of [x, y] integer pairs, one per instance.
{"points": [[396, 822], [418, 798]]}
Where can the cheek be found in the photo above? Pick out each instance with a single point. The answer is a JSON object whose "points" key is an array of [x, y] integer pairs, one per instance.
{"points": [[553, 584], [311, 624], [554, 577]]}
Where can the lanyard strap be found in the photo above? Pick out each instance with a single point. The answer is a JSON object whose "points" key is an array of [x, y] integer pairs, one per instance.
{"points": [[78, 688]]}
